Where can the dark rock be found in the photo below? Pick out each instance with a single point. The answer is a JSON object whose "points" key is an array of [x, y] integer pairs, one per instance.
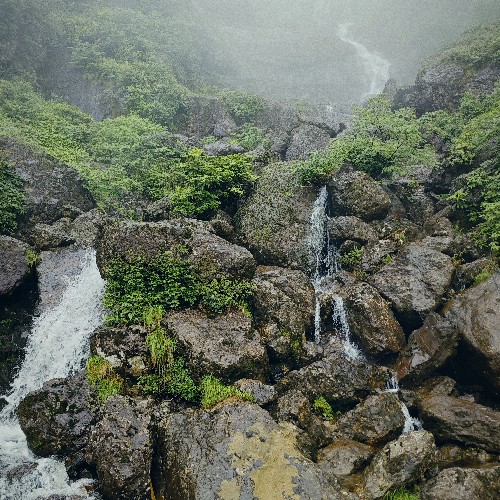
{"points": [[399, 463], [222, 224], [121, 449], [462, 483], [14, 268], [419, 205], [415, 283], [452, 456], [375, 421], [350, 228], [356, 193], [58, 234], [458, 420], [325, 117], [263, 394], [158, 210], [467, 274], [476, 316], [234, 451], [371, 321], [436, 386], [304, 140], [428, 349], [378, 253], [225, 346], [294, 407], [221, 148]]}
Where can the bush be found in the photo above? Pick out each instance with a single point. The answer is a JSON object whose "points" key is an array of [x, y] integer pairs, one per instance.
{"points": [[101, 376], [12, 198], [404, 493], [220, 295], [213, 391], [324, 408], [243, 106], [250, 137]]}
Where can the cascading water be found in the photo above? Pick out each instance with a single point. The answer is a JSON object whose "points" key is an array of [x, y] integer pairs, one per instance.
{"points": [[375, 66], [411, 423], [57, 346]]}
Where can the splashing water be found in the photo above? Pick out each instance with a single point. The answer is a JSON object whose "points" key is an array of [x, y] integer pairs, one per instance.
{"points": [[411, 423], [376, 67], [57, 346], [340, 323]]}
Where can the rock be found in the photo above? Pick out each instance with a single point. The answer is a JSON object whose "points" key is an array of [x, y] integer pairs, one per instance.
{"points": [[350, 228], [14, 267], [356, 193], [87, 228], [377, 254], [295, 407], [124, 348], [121, 448], [222, 224], [225, 346], [344, 457], [399, 463], [375, 421], [462, 483], [458, 420], [419, 205], [467, 274], [45, 236], [325, 117], [436, 386], [58, 418], [414, 283], [263, 394], [233, 451], [371, 321], [338, 379], [221, 148], [451, 456], [428, 349], [304, 140], [274, 221], [476, 316]]}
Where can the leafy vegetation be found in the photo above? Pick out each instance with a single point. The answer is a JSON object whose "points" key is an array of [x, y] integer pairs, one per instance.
{"points": [[101, 376], [243, 106], [213, 391], [323, 408], [12, 197], [219, 295], [405, 493], [250, 137]]}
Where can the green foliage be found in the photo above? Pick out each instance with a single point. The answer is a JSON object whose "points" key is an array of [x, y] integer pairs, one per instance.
{"points": [[161, 347], [404, 493], [323, 408], [32, 258], [12, 197], [243, 106], [220, 295], [213, 391], [250, 137], [101, 376], [353, 259]]}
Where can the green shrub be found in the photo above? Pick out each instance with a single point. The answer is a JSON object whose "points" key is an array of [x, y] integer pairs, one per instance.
{"points": [[404, 493], [250, 137], [161, 348], [323, 408], [101, 376], [32, 258], [353, 259], [12, 198], [213, 391], [220, 295], [243, 106]]}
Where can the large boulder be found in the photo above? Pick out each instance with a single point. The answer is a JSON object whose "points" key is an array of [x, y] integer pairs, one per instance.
{"points": [[14, 267], [234, 451], [121, 449], [399, 463], [371, 321], [415, 283], [304, 140], [476, 316], [356, 193], [462, 421], [460, 483], [225, 346], [274, 221], [428, 349], [348, 227]]}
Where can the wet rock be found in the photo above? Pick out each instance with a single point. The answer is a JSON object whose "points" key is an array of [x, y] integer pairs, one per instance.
{"points": [[375, 421], [458, 420], [121, 449], [356, 193], [45, 236], [436, 386], [325, 117], [87, 228], [467, 274], [234, 451], [452, 456], [263, 394], [221, 148], [476, 316], [371, 321], [14, 268], [428, 349], [462, 483], [225, 346], [124, 348], [304, 140], [295, 407], [57, 419], [274, 221], [399, 463], [350, 228], [414, 283]]}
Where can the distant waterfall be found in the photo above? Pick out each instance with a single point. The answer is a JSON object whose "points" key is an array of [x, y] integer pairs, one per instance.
{"points": [[57, 346], [376, 67]]}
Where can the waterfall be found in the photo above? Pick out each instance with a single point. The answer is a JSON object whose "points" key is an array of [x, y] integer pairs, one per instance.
{"points": [[339, 317], [411, 423], [376, 67], [57, 346]]}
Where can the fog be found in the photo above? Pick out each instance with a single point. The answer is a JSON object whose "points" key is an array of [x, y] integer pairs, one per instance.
{"points": [[329, 50]]}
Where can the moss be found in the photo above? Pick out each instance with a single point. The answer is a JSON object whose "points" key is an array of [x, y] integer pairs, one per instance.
{"points": [[405, 493], [101, 376], [213, 391]]}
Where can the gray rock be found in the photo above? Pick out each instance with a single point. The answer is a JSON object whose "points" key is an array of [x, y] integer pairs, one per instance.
{"points": [[121, 448], [452, 455], [463, 484], [458, 420], [419, 205], [399, 463], [356, 193], [466, 274], [87, 228], [263, 394], [13, 265], [221, 148], [415, 283], [224, 346], [58, 234], [304, 140], [350, 228]]}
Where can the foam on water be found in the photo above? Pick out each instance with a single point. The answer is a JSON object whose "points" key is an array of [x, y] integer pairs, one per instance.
{"points": [[411, 423]]}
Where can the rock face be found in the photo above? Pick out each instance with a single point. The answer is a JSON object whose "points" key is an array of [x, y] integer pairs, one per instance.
{"points": [[120, 447], [274, 221], [454, 419], [58, 418], [225, 346], [234, 451], [415, 282], [428, 349], [356, 193], [463, 483], [304, 140], [348, 227], [13, 265], [400, 462], [371, 320], [476, 316]]}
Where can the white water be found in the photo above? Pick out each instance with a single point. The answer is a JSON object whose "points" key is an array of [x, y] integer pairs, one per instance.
{"points": [[411, 423], [57, 346], [376, 67], [339, 317]]}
